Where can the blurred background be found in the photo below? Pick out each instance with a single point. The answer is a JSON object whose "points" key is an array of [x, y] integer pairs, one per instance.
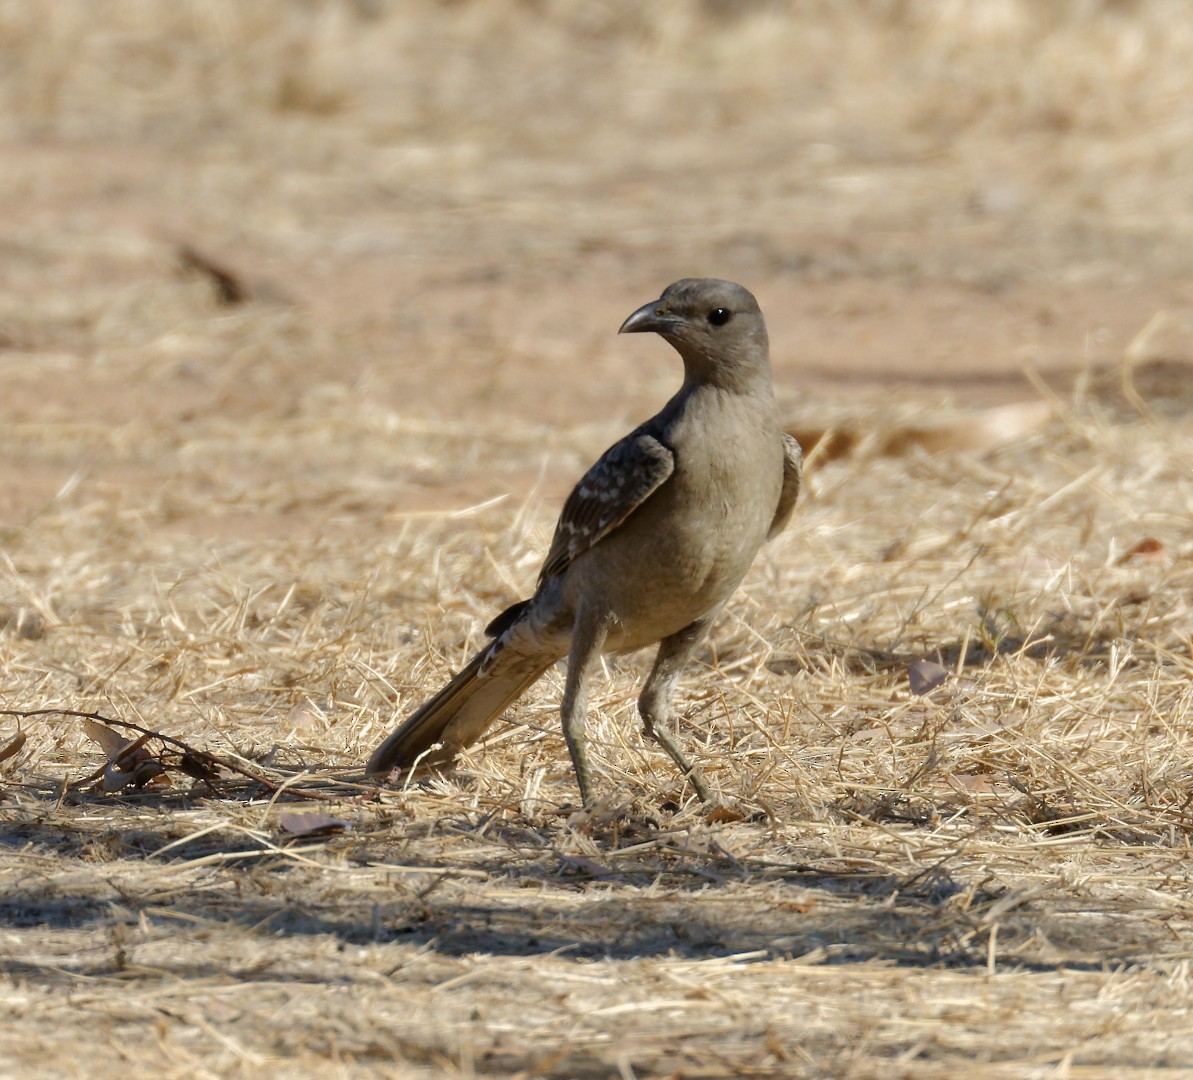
{"points": [[297, 211]]}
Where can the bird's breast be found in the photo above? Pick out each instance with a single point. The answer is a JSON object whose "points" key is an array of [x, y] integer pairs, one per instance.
{"points": [[687, 548]]}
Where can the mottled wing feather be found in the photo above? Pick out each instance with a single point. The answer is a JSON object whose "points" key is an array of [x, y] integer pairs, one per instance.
{"points": [[624, 477], [793, 475]]}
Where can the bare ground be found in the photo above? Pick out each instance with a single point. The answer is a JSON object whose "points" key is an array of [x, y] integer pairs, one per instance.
{"points": [[268, 520]]}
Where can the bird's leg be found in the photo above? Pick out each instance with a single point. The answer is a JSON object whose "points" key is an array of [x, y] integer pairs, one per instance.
{"points": [[654, 703], [588, 639]]}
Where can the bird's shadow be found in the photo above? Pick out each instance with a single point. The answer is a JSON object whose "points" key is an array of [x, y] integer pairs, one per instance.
{"points": [[646, 899]]}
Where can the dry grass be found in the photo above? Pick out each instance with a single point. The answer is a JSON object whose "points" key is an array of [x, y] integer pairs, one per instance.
{"points": [[269, 527], [913, 875]]}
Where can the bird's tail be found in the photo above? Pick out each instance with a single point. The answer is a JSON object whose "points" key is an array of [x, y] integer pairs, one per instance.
{"points": [[459, 714]]}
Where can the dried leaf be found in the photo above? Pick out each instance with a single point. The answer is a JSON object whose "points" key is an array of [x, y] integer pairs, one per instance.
{"points": [[308, 824], [197, 768], [131, 753], [109, 741], [14, 746], [925, 676], [150, 771], [115, 778], [129, 763], [1147, 550]]}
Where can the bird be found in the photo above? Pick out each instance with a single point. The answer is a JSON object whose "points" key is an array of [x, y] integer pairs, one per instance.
{"points": [[649, 546]]}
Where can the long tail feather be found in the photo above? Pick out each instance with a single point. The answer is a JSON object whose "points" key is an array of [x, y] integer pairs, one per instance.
{"points": [[456, 716]]}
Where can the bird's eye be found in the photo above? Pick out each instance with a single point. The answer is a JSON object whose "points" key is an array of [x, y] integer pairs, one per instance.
{"points": [[719, 316]]}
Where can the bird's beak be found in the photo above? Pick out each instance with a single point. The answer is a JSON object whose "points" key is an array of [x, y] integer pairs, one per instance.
{"points": [[650, 318]]}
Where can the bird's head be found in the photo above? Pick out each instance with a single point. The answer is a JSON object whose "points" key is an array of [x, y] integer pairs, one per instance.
{"points": [[714, 325]]}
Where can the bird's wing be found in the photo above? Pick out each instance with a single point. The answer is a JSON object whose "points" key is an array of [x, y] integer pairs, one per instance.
{"points": [[624, 477], [793, 475]]}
